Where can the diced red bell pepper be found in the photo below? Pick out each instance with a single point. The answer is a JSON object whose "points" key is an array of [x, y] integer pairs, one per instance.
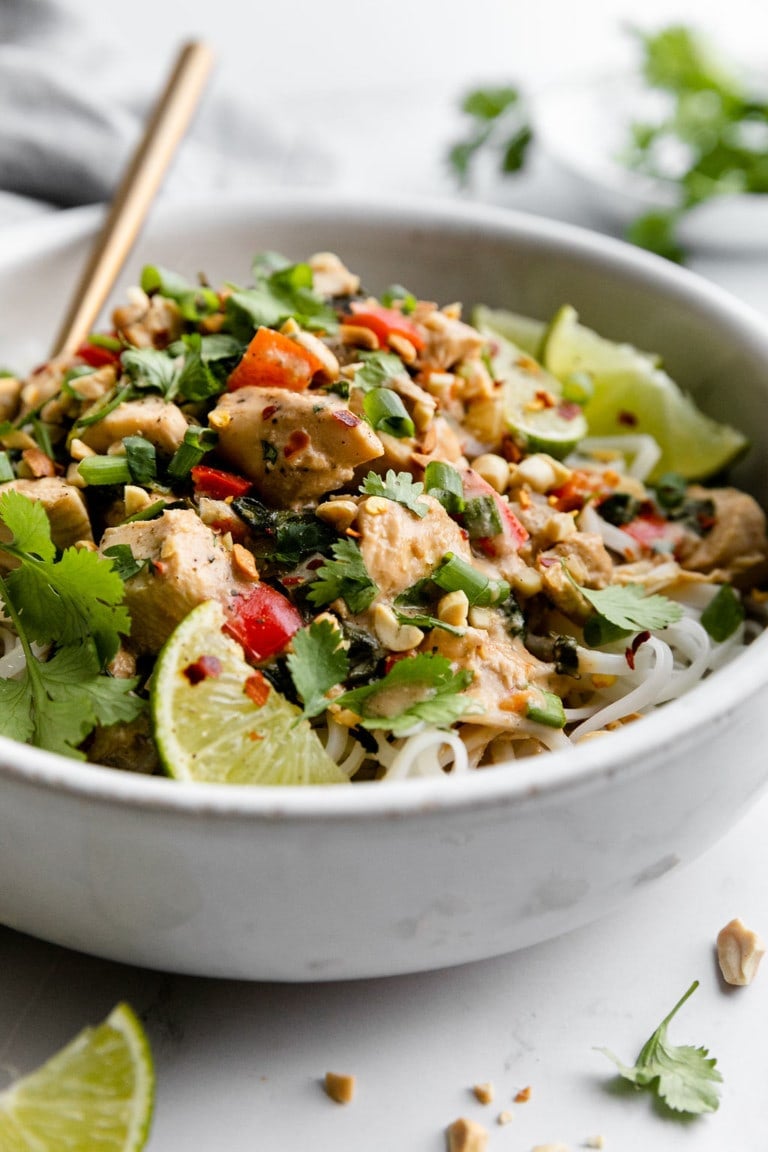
{"points": [[273, 360], [512, 534], [263, 621], [97, 356], [650, 529], [386, 322], [218, 484]]}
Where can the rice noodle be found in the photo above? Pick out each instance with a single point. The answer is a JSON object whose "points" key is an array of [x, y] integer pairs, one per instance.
{"points": [[638, 452], [614, 538], [653, 683], [420, 755]]}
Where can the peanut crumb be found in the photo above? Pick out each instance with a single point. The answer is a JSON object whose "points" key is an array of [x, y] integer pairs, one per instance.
{"points": [[523, 1095], [340, 1088], [505, 1117], [467, 1136], [484, 1092], [594, 1142], [739, 952], [551, 1148]]}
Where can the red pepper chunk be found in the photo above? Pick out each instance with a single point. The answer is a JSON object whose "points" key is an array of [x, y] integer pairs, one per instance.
{"points": [[386, 322], [217, 484], [273, 360], [96, 356], [263, 621]]}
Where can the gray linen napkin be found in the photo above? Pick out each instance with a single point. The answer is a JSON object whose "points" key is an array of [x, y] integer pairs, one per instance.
{"points": [[71, 111]]}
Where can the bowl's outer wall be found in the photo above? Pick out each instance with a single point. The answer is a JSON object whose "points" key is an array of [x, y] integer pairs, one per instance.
{"points": [[268, 896]]}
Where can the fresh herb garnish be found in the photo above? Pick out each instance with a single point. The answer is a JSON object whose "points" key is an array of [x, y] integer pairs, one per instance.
{"points": [[627, 607], [317, 663], [682, 1076], [444, 482], [723, 615], [151, 370], [377, 369], [434, 695], [73, 602], [498, 124], [397, 486], [423, 620], [124, 562], [346, 577], [385, 412], [281, 292]]}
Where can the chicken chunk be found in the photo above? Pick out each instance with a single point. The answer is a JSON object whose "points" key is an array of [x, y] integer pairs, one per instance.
{"points": [[735, 548], [149, 322], [448, 340], [399, 548], [294, 446], [64, 507], [157, 420], [587, 562], [188, 564]]}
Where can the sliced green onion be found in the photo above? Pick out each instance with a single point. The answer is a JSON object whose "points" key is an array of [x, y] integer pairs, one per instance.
{"points": [[42, 435], [444, 483], [454, 574], [599, 631], [548, 710], [142, 459], [102, 340], [196, 443], [723, 615], [100, 470], [6, 468], [482, 518], [406, 299], [156, 508], [108, 406], [671, 489], [386, 412]]}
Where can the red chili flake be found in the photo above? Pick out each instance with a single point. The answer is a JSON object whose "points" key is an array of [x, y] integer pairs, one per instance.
{"points": [[545, 397], [547, 561], [345, 417], [632, 650], [569, 410], [257, 689], [255, 736], [312, 565], [292, 581], [628, 419], [268, 411], [158, 567], [297, 442], [202, 668]]}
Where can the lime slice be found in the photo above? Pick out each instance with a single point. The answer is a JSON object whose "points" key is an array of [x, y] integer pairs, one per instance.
{"points": [[535, 410], [98, 1092], [523, 331], [209, 728], [631, 393]]}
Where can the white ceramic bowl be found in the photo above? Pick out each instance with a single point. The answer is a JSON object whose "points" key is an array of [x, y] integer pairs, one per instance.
{"points": [[319, 884]]}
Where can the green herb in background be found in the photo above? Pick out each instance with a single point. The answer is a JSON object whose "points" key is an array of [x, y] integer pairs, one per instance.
{"points": [[497, 124], [710, 140]]}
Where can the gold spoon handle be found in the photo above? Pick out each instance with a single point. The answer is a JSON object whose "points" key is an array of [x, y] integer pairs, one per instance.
{"points": [[135, 193]]}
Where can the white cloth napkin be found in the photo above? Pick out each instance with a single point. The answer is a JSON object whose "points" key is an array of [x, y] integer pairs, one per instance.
{"points": [[72, 110]]}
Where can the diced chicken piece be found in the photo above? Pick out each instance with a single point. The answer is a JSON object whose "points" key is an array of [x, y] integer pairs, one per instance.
{"points": [[399, 548], [588, 563], [149, 322], [448, 340], [64, 507], [188, 564], [657, 574], [735, 548], [331, 277], [10, 397], [502, 668], [157, 420], [294, 446], [44, 383]]}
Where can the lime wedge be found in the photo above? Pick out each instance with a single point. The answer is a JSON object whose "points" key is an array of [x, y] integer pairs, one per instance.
{"points": [[216, 719], [535, 410], [523, 331], [631, 393], [98, 1092]]}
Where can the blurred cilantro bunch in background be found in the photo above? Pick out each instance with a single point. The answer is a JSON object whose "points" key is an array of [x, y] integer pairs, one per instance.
{"points": [[709, 138]]}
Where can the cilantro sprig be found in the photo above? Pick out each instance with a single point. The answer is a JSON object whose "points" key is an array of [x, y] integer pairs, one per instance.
{"points": [[345, 577], [74, 604], [627, 607], [318, 662], [397, 486], [683, 1077], [420, 689]]}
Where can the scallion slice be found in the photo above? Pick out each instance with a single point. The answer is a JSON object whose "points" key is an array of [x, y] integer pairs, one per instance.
{"points": [[197, 442], [101, 470], [444, 483], [546, 710], [6, 468], [454, 574], [482, 518], [386, 412]]}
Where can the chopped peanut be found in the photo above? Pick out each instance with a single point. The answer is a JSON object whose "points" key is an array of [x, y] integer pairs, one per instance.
{"points": [[523, 1095], [340, 1088], [467, 1136], [244, 562], [484, 1092], [505, 1117], [739, 952]]}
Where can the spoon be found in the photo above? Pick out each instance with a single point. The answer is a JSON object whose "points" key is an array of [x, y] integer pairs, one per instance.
{"points": [[137, 189]]}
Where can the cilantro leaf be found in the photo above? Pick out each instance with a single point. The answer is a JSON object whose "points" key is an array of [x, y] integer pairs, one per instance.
{"points": [[683, 1077], [377, 369], [60, 601], [345, 576], [151, 370], [56, 703], [423, 620], [397, 486], [124, 562], [627, 606], [317, 663], [434, 695], [275, 297]]}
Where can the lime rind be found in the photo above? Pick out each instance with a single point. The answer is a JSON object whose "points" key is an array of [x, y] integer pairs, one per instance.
{"points": [[523, 331], [98, 1091], [214, 731]]}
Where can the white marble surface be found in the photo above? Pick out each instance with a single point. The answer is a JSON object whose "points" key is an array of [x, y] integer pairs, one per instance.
{"points": [[239, 1066]]}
